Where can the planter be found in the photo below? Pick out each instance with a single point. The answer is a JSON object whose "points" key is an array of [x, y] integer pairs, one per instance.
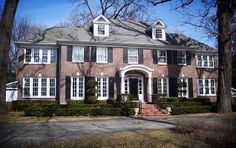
{"points": [[136, 110], [168, 109]]}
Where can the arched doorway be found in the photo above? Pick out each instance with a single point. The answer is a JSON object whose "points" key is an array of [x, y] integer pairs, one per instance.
{"points": [[137, 80]]}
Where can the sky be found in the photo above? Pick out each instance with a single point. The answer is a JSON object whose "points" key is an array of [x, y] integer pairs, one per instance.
{"points": [[50, 12]]}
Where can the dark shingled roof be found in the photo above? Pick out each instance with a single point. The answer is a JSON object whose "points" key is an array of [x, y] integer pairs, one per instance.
{"points": [[122, 32]]}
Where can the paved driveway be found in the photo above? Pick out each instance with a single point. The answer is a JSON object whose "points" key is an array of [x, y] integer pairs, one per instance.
{"points": [[72, 129]]}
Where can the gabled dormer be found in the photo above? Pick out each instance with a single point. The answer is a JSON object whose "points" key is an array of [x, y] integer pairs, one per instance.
{"points": [[158, 30], [101, 26]]}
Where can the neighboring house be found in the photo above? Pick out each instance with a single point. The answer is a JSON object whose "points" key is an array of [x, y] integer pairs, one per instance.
{"points": [[122, 56]]}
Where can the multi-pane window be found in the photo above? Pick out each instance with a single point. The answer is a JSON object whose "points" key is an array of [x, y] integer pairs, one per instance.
{"points": [[78, 54], [181, 57], [102, 87], [133, 56], [39, 87], [206, 87], [101, 29], [182, 87], [77, 88], [162, 86], [40, 56], [102, 55], [161, 56], [204, 61], [158, 33]]}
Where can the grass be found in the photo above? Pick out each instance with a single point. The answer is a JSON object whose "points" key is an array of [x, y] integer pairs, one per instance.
{"points": [[16, 117]]}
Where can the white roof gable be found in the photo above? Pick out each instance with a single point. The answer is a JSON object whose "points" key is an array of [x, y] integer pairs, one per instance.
{"points": [[101, 20], [157, 24]]}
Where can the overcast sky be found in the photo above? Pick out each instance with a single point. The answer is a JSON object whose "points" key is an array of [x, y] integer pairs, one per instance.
{"points": [[51, 12]]}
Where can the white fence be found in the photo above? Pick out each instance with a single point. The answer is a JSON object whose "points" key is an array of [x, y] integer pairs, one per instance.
{"points": [[11, 94]]}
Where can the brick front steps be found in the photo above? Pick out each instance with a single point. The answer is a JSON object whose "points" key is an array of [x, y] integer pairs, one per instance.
{"points": [[150, 110]]}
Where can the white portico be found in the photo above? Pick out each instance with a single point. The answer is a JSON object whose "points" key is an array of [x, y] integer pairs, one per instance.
{"points": [[137, 80]]}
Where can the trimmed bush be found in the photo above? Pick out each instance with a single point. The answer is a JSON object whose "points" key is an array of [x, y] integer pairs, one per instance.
{"points": [[21, 105], [111, 101], [190, 109], [179, 104], [35, 111], [203, 100], [91, 99], [73, 102]]}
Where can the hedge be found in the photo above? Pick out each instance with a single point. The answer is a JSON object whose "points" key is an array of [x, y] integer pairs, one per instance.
{"points": [[21, 105], [190, 109], [179, 104]]}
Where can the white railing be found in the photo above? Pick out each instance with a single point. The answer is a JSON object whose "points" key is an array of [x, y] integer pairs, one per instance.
{"points": [[233, 92]]}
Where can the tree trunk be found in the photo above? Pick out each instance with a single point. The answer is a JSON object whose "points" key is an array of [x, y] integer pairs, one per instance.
{"points": [[224, 98], [6, 24]]}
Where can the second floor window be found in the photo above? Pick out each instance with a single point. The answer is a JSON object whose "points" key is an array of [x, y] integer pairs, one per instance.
{"points": [[133, 56], [181, 57], [158, 33], [204, 61], [78, 54], [102, 55], [161, 56], [101, 29], [40, 56]]}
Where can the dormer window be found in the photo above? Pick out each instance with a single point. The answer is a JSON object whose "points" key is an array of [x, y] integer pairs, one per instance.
{"points": [[101, 26], [158, 30], [158, 33]]}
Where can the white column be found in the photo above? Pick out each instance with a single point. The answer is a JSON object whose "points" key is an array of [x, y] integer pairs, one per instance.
{"points": [[150, 89], [122, 85]]}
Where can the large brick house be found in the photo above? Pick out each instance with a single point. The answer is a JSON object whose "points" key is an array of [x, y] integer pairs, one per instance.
{"points": [[122, 56]]}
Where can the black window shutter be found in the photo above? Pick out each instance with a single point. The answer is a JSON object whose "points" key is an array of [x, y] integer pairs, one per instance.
{"points": [[140, 56], [174, 57], [125, 55], [69, 53], [173, 87], [68, 86], [154, 85], [154, 56], [190, 87], [169, 57], [110, 55], [86, 54], [111, 87], [94, 54], [189, 57]]}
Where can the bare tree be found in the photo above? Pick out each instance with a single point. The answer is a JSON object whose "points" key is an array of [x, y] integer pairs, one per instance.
{"points": [[6, 25]]}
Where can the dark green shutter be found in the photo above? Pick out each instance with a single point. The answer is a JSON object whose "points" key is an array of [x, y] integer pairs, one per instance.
{"points": [[189, 57], [190, 87], [69, 53], [111, 87], [68, 87], [174, 54], [86, 54], [110, 55], [93, 54], [125, 55], [140, 56], [169, 57], [154, 56], [154, 85], [173, 88]]}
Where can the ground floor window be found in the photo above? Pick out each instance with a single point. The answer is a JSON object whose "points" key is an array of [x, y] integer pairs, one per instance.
{"points": [[206, 87], [182, 87], [77, 88], [102, 88], [39, 87], [162, 86]]}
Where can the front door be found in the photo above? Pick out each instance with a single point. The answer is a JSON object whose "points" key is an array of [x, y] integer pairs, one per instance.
{"points": [[133, 87]]}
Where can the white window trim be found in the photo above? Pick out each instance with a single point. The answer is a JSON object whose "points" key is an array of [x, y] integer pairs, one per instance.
{"points": [[73, 55], [98, 61], [204, 90], [162, 86], [103, 98], [202, 61], [40, 56], [77, 88], [187, 87], [106, 30], [162, 63], [135, 55], [39, 87], [184, 57]]}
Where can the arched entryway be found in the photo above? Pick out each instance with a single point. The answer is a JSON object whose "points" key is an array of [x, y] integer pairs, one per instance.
{"points": [[137, 80]]}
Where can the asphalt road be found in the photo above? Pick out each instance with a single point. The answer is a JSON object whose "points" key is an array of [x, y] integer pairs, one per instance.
{"points": [[9, 133]]}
